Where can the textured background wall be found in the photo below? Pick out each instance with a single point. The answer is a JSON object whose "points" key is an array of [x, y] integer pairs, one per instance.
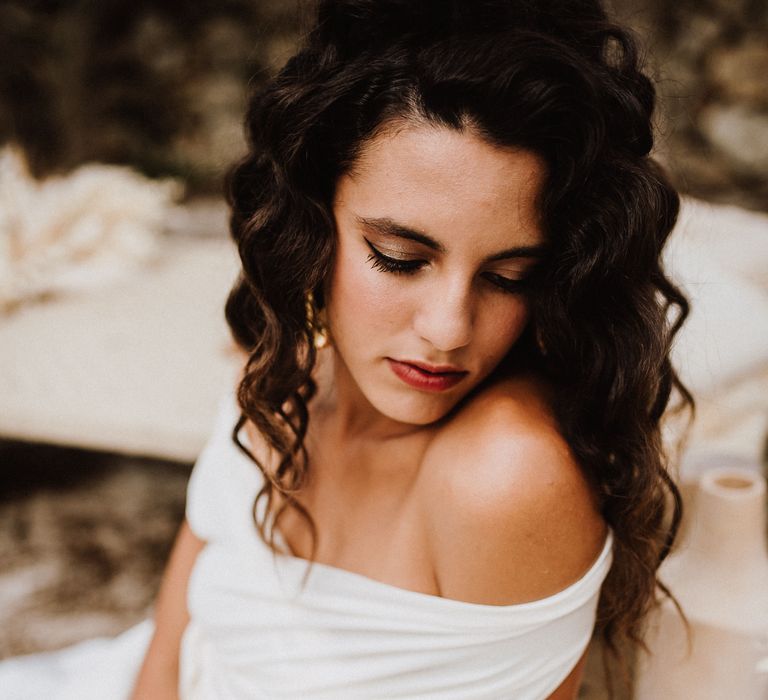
{"points": [[710, 59], [161, 84]]}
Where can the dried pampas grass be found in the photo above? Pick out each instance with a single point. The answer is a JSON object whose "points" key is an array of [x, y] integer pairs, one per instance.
{"points": [[78, 232]]}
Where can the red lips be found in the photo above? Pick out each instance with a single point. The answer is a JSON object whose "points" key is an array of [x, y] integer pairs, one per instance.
{"points": [[427, 377]]}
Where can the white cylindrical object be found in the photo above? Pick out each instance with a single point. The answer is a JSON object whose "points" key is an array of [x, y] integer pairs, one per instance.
{"points": [[720, 578]]}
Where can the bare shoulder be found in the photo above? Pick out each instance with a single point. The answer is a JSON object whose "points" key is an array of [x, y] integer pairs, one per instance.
{"points": [[510, 516]]}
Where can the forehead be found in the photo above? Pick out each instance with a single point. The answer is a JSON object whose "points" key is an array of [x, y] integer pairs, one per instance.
{"points": [[447, 182]]}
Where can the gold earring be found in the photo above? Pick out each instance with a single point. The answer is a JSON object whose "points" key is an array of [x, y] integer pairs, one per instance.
{"points": [[315, 322], [540, 342]]}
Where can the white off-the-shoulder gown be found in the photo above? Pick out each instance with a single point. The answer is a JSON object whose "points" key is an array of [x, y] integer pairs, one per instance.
{"points": [[255, 632]]}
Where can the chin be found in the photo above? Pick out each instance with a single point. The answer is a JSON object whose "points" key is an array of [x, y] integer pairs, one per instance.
{"points": [[422, 409]]}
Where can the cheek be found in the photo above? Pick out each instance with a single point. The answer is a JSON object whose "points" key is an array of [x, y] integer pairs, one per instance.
{"points": [[504, 326], [361, 298]]}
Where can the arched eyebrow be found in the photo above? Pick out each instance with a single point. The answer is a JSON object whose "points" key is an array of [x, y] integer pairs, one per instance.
{"points": [[388, 227]]}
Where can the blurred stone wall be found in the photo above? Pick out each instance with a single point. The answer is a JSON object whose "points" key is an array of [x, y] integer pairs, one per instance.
{"points": [[161, 84], [710, 61]]}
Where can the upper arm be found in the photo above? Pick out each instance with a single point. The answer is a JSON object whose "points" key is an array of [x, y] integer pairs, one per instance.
{"points": [[512, 518], [569, 688], [158, 676], [171, 615]]}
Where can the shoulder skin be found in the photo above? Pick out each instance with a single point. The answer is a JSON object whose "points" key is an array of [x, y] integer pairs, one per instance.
{"points": [[510, 516]]}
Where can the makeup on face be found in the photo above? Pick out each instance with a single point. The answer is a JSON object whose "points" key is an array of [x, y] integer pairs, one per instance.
{"points": [[425, 377], [438, 236], [395, 257]]}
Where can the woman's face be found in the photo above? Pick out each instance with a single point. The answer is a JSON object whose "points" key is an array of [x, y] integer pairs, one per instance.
{"points": [[435, 230]]}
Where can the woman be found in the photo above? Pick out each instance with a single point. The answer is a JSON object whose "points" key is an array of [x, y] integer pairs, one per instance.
{"points": [[456, 339]]}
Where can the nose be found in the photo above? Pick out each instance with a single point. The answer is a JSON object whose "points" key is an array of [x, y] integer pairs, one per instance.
{"points": [[444, 315]]}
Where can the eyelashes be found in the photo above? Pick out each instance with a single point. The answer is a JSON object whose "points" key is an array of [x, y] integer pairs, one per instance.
{"points": [[385, 263], [507, 285]]}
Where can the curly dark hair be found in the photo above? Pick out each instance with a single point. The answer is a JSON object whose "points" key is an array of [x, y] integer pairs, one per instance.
{"points": [[560, 79]]}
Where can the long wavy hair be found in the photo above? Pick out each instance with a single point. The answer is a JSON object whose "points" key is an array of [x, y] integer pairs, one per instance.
{"points": [[555, 77]]}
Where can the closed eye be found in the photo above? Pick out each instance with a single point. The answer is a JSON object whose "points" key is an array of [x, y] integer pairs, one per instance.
{"points": [[506, 284], [385, 263]]}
